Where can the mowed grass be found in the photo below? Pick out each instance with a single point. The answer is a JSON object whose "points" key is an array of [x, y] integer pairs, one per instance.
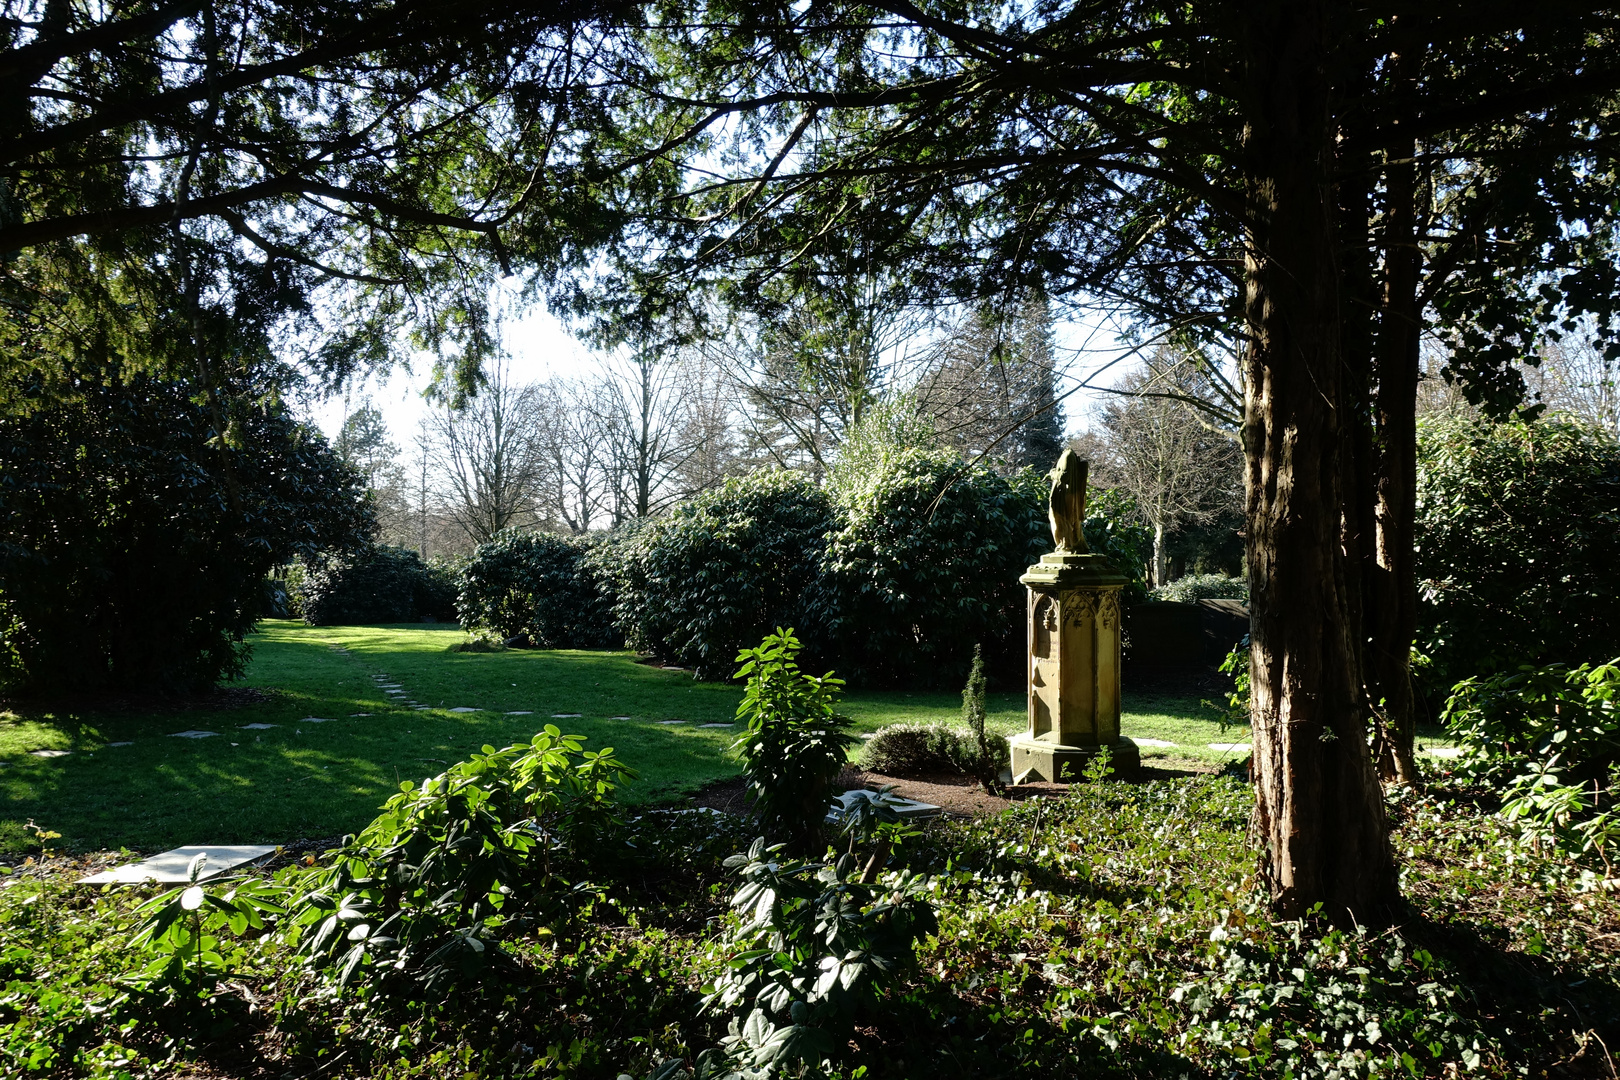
{"points": [[301, 779]]}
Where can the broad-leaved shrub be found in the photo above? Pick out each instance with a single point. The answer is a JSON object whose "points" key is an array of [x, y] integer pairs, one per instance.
{"points": [[504, 843], [722, 570], [538, 585], [375, 584], [1518, 534]]}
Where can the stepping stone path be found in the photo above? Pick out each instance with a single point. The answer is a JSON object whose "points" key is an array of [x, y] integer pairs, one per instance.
{"points": [[1152, 742], [258, 727], [1230, 747], [464, 709], [421, 708], [566, 715], [672, 722], [174, 866], [618, 718], [521, 712], [359, 714], [120, 744], [717, 725], [317, 720], [193, 734], [49, 753]]}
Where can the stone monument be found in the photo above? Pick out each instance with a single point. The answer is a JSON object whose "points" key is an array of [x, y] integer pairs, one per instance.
{"points": [[1074, 647]]}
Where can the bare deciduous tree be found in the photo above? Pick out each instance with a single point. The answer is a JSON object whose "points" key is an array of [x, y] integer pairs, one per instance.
{"points": [[1167, 455], [489, 458]]}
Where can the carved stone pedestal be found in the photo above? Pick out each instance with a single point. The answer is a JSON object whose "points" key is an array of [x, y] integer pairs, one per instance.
{"points": [[1074, 661]]}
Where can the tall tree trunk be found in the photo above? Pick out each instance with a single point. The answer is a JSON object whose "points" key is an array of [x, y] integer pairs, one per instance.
{"points": [[1319, 808], [1159, 560], [1392, 592]]}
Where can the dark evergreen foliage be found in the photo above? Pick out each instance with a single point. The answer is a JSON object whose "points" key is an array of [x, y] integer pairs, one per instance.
{"points": [[135, 537], [541, 586], [376, 584]]}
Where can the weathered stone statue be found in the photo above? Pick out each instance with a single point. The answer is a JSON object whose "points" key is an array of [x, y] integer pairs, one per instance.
{"points": [[1074, 647]]}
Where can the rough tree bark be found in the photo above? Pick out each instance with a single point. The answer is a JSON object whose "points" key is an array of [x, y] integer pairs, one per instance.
{"points": [[1319, 808], [1391, 572]]}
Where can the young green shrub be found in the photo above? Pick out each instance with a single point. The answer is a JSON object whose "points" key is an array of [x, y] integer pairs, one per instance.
{"points": [[503, 843], [538, 585], [815, 946], [989, 749], [193, 933], [794, 743]]}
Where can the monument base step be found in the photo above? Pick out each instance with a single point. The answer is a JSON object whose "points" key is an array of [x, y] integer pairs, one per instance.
{"points": [[1060, 763]]}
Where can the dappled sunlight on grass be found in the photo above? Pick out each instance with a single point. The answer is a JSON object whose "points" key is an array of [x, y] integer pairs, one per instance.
{"points": [[298, 779]]}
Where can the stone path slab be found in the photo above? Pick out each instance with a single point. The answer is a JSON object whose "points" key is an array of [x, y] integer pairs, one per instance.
{"points": [[131, 743], [675, 722], [620, 718], [317, 720], [906, 808], [566, 715], [521, 712], [258, 727], [192, 734], [49, 753], [359, 714], [717, 725], [465, 709], [171, 866]]}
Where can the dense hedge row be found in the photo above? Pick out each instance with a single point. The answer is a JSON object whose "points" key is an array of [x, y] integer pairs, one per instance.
{"points": [[894, 579]]}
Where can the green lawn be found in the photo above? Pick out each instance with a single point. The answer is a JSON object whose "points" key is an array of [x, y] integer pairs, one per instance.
{"points": [[308, 780]]}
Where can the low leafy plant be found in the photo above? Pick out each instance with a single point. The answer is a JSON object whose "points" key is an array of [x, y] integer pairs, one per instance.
{"points": [[794, 742], [1553, 734], [815, 945], [496, 846], [924, 749], [1234, 711], [193, 933]]}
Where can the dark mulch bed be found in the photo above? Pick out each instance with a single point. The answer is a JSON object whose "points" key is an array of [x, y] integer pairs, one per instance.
{"points": [[956, 795]]}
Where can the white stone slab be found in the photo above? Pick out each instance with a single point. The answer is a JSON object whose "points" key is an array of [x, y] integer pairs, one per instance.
{"points": [[317, 720], [1446, 751], [566, 715], [359, 714], [620, 718], [464, 709], [258, 727], [906, 808], [421, 708], [675, 722], [49, 753], [171, 866], [1230, 747], [1152, 742], [717, 725], [521, 712], [192, 734], [121, 744]]}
